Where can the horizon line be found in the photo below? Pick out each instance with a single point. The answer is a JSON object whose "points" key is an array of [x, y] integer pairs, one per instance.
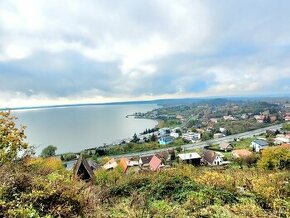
{"points": [[137, 101]]}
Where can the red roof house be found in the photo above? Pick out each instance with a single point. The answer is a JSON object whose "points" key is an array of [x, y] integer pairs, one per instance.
{"points": [[155, 163]]}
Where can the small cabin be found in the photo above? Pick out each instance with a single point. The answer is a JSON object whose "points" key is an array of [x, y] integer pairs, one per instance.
{"points": [[83, 170]]}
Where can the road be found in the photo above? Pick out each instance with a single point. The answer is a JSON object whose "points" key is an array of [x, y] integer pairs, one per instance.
{"points": [[204, 143]]}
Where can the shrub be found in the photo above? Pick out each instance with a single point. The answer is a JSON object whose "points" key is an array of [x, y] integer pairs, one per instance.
{"points": [[44, 165]]}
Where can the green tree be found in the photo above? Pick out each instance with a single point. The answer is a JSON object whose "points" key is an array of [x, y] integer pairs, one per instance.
{"points": [[49, 151], [206, 136], [179, 149], [286, 126], [153, 138], [12, 138], [179, 132], [135, 138], [267, 119]]}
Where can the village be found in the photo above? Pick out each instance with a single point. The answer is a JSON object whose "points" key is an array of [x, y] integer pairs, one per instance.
{"points": [[236, 153], [217, 133], [179, 125]]}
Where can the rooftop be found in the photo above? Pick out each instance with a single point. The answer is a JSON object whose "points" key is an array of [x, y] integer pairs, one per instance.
{"points": [[189, 156], [261, 142]]}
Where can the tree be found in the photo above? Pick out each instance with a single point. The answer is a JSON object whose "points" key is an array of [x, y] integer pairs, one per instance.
{"points": [[179, 132], [135, 138], [12, 138], [267, 119], [153, 138], [179, 149], [286, 127], [49, 151], [275, 158], [206, 136]]}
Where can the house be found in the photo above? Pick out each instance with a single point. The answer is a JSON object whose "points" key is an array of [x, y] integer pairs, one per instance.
{"points": [[174, 134], [225, 146], [230, 117], [164, 131], [213, 120], [111, 164], [155, 163], [273, 118], [145, 160], [164, 140], [211, 158], [181, 118], [287, 118], [190, 158], [218, 135], [281, 138], [245, 116], [125, 164], [259, 118], [259, 144], [223, 130], [196, 136], [241, 153], [83, 170], [191, 136]]}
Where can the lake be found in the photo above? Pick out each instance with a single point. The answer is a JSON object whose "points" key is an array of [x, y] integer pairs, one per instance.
{"points": [[72, 129]]}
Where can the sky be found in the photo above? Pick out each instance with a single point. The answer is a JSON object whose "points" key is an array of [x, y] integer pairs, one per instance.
{"points": [[92, 51]]}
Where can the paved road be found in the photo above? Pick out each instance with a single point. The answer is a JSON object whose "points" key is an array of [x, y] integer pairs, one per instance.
{"points": [[204, 143]]}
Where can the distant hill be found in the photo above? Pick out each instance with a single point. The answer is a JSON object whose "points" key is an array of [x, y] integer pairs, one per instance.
{"points": [[176, 101]]}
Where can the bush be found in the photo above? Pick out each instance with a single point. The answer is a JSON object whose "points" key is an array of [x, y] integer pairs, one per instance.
{"points": [[44, 165]]}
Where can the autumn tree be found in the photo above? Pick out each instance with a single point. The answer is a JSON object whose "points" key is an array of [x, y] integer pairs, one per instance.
{"points": [[12, 138], [275, 158]]}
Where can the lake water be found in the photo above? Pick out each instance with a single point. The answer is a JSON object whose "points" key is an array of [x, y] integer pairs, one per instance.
{"points": [[73, 129]]}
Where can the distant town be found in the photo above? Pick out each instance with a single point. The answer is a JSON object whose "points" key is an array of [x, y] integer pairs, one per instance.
{"points": [[211, 132]]}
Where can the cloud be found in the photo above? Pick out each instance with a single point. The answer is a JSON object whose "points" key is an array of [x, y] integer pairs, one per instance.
{"points": [[90, 51]]}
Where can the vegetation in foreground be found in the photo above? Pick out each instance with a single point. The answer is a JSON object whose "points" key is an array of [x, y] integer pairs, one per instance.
{"points": [[41, 187]]}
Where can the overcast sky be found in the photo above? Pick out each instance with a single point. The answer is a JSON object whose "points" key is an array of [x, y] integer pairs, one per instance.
{"points": [[81, 51]]}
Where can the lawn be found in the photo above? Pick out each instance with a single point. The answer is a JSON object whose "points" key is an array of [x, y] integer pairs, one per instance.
{"points": [[243, 143]]}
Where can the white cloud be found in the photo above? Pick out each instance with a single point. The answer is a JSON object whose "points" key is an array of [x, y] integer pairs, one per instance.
{"points": [[147, 48]]}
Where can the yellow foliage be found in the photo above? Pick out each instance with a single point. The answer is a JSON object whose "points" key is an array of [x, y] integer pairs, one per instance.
{"points": [[249, 209], [215, 178], [104, 160], [275, 158], [269, 185], [45, 165], [12, 138]]}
